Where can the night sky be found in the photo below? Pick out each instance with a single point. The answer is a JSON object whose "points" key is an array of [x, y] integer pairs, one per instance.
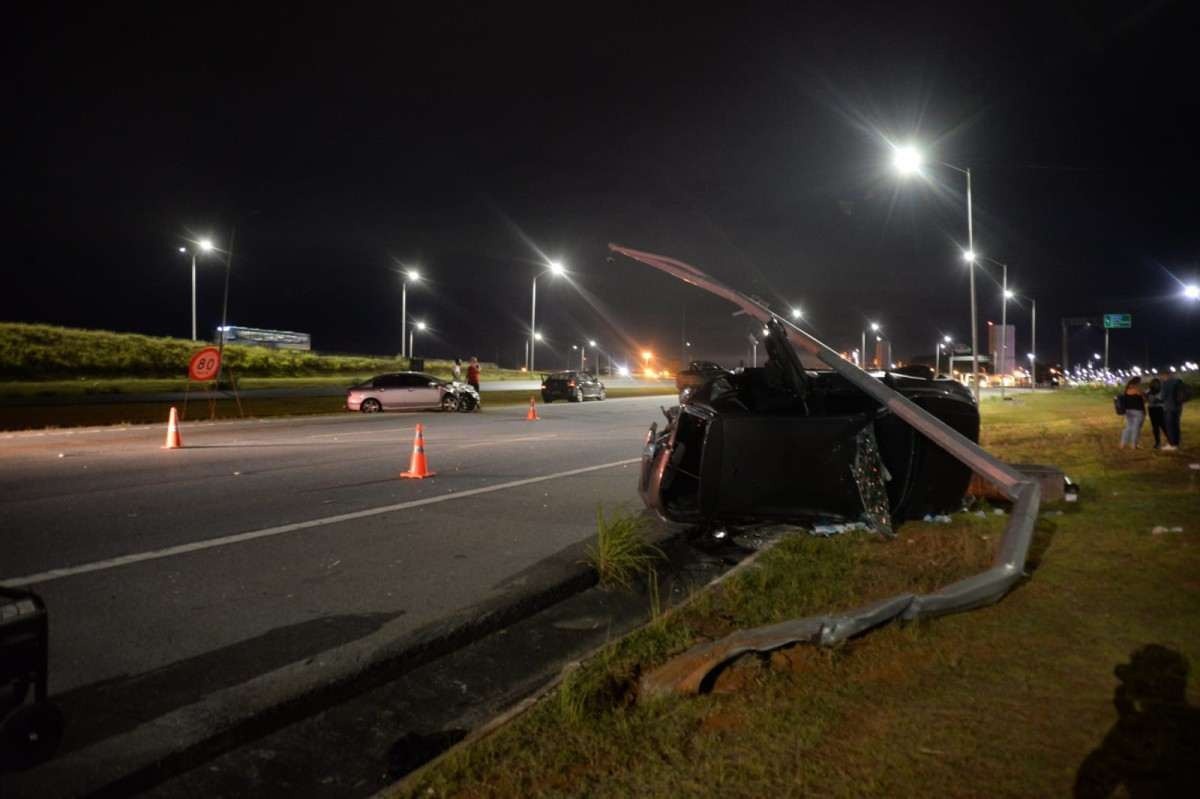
{"points": [[475, 142]]}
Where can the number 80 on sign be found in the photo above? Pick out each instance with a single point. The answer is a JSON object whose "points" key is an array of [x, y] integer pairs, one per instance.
{"points": [[205, 364]]}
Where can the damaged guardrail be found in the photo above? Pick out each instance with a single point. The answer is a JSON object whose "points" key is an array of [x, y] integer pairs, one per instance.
{"points": [[689, 672]]}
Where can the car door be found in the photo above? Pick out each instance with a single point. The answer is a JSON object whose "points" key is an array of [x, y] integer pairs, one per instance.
{"points": [[591, 387], [419, 393], [387, 389]]}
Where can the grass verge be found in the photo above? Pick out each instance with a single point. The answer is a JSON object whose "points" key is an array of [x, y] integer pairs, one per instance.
{"points": [[1005, 701]]}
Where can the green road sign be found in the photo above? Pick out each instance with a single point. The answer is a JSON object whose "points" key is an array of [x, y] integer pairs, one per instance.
{"points": [[1112, 320]]}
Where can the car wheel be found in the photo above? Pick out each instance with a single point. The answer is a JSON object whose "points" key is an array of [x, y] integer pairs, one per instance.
{"points": [[603, 395], [370, 406], [578, 396], [449, 403]]}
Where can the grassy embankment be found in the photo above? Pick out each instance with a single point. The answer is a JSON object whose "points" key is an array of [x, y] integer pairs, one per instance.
{"points": [[42, 363], [1004, 701]]}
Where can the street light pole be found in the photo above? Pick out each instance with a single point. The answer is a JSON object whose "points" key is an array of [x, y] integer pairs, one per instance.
{"points": [[554, 268], [193, 295], [414, 276], [863, 355]]}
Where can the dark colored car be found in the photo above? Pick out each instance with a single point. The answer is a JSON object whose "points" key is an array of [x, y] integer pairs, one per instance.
{"points": [[410, 391], [573, 386], [784, 443]]}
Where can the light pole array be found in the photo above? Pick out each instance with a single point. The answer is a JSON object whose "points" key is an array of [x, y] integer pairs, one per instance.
{"points": [[908, 160], [555, 268], [414, 276]]}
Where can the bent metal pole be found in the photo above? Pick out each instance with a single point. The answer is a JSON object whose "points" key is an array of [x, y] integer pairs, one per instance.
{"points": [[689, 670]]}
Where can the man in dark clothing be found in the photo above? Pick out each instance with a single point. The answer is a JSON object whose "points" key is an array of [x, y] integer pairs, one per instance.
{"points": [[1172, 394]]}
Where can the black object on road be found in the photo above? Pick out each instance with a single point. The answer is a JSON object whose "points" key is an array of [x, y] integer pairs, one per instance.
{"points": [[31, 727]]}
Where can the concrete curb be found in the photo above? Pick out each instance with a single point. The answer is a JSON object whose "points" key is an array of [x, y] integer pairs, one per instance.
{"points": [[182, 739]]}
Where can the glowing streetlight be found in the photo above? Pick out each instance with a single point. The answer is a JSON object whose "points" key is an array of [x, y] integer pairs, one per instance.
{"points": [[797, 314], [416, 326], [874, 329], [944, 344], [907, 159], [647, 355], [413, 276], [204, 246], [1192, 291], [556, 269]]}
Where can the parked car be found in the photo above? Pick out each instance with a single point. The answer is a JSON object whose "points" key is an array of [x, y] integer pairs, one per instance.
{"points": [[410, 391], [573, 386]]}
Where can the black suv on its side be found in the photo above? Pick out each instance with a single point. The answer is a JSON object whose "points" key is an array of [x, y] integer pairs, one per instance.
{"points": [[573, 386]]}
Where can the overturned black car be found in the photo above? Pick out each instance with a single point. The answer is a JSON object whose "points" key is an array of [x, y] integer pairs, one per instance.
{"points": [[784, 443]]}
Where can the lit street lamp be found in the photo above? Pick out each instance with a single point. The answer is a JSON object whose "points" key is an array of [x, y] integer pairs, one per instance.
{"points": [[908, 160], [1192, 291], [943, 344], [205, 246], [416, 326], [414, 276], [555, 268], [874, 329], [797, 314]]}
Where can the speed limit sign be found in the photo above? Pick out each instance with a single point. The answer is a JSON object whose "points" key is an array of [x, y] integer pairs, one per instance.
{"points": [[205, 364]]}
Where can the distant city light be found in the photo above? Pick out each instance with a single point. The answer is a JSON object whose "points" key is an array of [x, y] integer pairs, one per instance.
{"points": [[623, 371]]}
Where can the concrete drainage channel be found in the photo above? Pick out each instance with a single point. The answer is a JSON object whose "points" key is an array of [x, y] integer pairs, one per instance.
{"points": [[356, 719]]}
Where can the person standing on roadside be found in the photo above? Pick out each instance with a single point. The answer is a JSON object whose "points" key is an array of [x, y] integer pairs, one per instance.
{"points": [[473, 373], [456, 370], [1135, 413], [1174, 394], [1154, 407]]}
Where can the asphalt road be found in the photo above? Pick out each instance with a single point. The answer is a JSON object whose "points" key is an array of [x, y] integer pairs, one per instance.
{"points": [[170, 573]]}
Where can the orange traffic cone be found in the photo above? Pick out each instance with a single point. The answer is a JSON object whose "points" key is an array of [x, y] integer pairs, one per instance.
{"points": [[532, 415], [418, 469], [174, 440]]}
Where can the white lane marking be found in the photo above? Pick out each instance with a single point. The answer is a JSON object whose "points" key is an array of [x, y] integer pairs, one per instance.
{"points": [[238, 538]]}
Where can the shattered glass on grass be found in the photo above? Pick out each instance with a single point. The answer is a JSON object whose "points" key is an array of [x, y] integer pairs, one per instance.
{"points": [[868, 473]]}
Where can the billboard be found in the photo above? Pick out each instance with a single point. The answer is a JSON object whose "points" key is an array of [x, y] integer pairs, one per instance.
{"points": [[275, 339]]}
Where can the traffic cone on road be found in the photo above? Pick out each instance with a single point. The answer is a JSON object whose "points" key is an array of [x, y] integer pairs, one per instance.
{"points": [[532, 415], [174, 440], [418, 469]]}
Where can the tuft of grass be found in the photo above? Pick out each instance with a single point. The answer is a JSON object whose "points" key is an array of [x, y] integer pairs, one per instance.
{"points": [[621, 551]]}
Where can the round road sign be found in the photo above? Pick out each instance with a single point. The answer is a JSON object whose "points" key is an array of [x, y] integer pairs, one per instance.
{"points": [[205, 364]]}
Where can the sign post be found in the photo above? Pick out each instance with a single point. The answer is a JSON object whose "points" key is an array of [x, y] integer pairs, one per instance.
{"points": [[1120, 321]]}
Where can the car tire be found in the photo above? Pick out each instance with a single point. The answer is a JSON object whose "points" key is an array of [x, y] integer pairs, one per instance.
{"points": [[449, 403], [603, 395], [577, 396], [370, 406]]}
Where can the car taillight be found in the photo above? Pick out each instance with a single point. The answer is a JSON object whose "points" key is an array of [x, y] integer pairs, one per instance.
{"points": [[570, 384]]}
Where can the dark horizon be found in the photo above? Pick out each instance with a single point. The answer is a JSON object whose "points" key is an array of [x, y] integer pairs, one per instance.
{"points": [[475, 142]]}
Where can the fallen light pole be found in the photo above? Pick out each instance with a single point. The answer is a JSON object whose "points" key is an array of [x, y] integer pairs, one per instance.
{"points": [[688, 672]]}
